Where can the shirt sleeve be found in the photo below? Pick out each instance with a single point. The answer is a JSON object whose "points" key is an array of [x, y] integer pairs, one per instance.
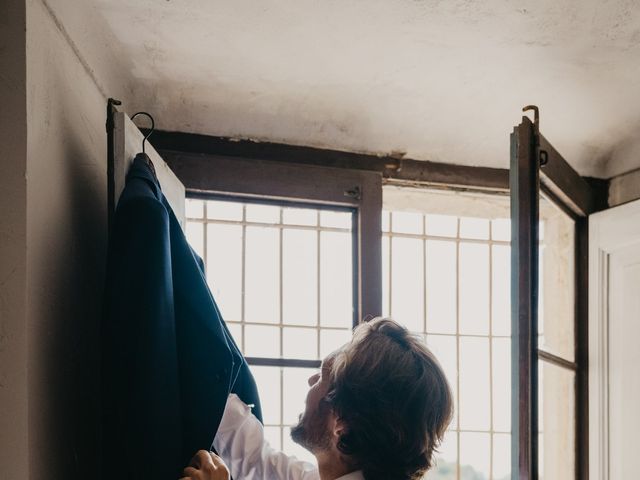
{"points": [[241, 444]]}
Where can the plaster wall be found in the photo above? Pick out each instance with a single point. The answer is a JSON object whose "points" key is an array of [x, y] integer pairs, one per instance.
{"points": [[66, 246], [13, 232]]}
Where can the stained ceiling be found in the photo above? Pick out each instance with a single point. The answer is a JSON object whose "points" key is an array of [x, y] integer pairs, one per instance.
{"points": [[439, 80]]}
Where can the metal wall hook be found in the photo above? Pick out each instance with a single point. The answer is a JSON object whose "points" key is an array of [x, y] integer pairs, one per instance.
{"points": [[153, 126]]}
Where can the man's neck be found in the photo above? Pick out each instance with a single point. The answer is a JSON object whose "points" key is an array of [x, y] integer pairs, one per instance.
{"points": [[332, 466]]}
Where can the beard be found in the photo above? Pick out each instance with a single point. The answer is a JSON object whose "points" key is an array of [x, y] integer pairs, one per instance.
{"points": [[312, 429]]}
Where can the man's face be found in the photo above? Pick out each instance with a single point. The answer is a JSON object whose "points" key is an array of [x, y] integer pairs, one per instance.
{"points": [[312, 430]]}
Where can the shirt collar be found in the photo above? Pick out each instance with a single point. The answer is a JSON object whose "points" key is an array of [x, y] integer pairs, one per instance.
{"points": [[357, 475]]}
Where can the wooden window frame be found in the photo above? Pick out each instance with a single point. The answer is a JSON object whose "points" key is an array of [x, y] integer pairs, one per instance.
{"points": [[220, 165]]}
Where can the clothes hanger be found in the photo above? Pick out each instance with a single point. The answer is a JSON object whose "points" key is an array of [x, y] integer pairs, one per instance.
{"points": [[143, 155]]}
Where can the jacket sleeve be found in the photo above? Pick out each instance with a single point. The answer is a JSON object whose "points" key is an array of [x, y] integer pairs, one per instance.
{"points": [[241, 444], [141, 402]]}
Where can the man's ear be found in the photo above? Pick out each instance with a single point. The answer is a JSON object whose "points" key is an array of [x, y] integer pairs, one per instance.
{"points": [[339, 428]]}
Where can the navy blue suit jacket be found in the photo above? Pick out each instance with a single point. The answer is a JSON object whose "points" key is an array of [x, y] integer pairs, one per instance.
{"points": [[168, 359]]}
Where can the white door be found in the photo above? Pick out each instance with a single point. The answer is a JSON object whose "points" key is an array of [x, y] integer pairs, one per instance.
{"points": [[614, 348], [127, 144]]}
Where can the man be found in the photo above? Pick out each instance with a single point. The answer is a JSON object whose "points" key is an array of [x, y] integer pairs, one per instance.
{"points": [[377, 410]]}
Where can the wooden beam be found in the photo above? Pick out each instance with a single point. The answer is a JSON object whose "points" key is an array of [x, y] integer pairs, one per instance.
{"points": [[393, 169]]}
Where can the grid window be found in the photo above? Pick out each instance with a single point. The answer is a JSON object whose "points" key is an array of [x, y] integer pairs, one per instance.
{"points": [[283, 278], [446, 278]]}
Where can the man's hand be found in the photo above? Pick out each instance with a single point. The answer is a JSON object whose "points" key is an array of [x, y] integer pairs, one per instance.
{"points": [[206, 466]]}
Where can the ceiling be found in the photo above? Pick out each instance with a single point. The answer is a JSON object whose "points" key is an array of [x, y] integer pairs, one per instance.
{"points": [[438, 80]]}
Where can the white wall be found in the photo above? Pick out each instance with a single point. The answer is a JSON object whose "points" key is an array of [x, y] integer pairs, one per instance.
{"points": [[13, 204], [53, 238]]}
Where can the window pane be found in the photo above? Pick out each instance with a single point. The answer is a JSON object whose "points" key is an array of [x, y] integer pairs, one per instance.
{"points": [[445, 348], [474, 228], [193, 208], [220, 210], [268, 381], [224, 268], [263, 213], [336, 270], [501, 290], [557, 422], [331, 340], [557, 283], [195, 237], [261, 341], [407, 301], [262, 280], [501, 456], [441, 286], [446, 458], [299, 216], [272, 436], [300, 277], [406, 222], [474, 383], [474, 289], [501, 229], [441, 225], [236, 332], [333, 219], [295, 392], [300, 343], [475, 456], [502, 384], [385, 221]]}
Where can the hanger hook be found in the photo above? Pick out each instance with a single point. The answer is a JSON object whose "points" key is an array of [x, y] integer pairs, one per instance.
{"points": [[153, 126]]}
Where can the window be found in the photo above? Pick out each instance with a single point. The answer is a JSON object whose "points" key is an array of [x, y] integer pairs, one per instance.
{"points": [[282, 275]]}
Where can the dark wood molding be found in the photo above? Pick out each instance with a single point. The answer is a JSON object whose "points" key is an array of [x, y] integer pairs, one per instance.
{"points": [[420, 172], [525, 184], [582, 347]]}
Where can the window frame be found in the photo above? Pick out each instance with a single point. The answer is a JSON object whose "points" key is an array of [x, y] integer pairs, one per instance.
{"points": [[215, 165]]}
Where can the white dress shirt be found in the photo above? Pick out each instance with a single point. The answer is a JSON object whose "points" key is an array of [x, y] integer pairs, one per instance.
{"points": [[241, 444]]}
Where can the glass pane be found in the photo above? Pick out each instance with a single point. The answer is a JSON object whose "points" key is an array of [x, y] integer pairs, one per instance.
{"points": [[557, 283], [336, 270], [193, 208], [385, 221], [299, 216], [295, 391], [474, 289], [263, 213], [441, 225], [474, 383], [441, 286], [501, 290], [475, 455], [474, 228], [407, 290], [502, 384], [224, 268], [557, 422], [300, 277], [300, 343], [272, 436], [220, 210], [406, 222], [236, 332], [446, 459], [195, 237], [268, 381], [334, 219], [331, 340], [261, 341], [385, 277], [445, 348], [501, 229], [502, 456], [262, 282]]}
